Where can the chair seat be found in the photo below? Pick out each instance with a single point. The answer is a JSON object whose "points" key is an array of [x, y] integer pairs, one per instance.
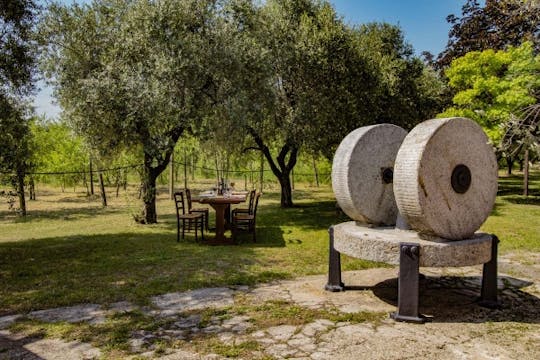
{"points": [[240, 210], [244, 217], [190, 216], [199, 210]]}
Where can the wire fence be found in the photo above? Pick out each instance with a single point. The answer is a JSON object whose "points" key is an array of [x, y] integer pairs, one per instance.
{"points": [[179, 175]]}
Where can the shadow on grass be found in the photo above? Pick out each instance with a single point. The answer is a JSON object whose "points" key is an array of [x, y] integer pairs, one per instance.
{"points": [[61, 271], [513, 184], [450, 299], [70, 213], [16, 349], [307, 216], [522, 200]]}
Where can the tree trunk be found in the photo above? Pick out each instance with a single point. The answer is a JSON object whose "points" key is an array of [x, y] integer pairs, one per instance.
{"points": [[148, 186], [282, 167], [509, 164], [286, 190], [20, 193], [526, 173]]}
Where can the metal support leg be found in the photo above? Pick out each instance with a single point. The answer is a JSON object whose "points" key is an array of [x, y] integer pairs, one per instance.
{"points": [[408, 284], [334, 267], [488, 297]]}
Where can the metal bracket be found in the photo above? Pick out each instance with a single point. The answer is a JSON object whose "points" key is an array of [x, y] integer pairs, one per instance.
{"points": [[408, 284], [488, 297], [334, 266]]}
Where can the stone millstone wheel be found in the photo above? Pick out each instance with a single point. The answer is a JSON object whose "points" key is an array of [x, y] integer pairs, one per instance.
{"points": [[362, 173], [445, 178]]}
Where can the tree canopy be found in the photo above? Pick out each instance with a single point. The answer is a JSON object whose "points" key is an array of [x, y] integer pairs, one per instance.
{"points": [[496, 25], [135, 74], [491, 85], [17, 65], [318, 79]]}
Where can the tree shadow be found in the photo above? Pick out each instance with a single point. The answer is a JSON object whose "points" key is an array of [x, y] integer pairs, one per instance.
{"points": [[132, 266], [513, 184], [522, 200], [308, 216], [450, 299], [15, 349], [63, 214]]}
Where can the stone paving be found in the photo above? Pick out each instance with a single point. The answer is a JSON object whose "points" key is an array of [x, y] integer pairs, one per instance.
{"points": [[460, 328]]}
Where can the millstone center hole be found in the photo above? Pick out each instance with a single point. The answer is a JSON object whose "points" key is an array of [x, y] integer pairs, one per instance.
{"points": [[461, 179], [387, 175]]}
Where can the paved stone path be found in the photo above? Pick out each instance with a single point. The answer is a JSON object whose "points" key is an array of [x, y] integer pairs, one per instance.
{"points": [[460, 328]]}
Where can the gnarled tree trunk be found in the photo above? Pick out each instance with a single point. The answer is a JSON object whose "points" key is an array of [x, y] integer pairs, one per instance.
{"points": [[282, 167]]}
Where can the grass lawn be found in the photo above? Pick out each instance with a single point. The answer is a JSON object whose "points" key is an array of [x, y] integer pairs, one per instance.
{"points": [[70, 250]]}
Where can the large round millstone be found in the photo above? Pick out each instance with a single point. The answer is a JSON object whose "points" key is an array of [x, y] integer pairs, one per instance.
{"points": [[445, 178], [362, 173]]}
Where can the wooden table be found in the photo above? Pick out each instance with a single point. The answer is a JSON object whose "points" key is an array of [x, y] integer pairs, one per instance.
{"points": [[220, 204]]}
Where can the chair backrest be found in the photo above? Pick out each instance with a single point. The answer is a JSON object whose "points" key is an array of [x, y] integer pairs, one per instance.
{"points": [[188, 197], [251, 199], [255, 205], [179, 202]]}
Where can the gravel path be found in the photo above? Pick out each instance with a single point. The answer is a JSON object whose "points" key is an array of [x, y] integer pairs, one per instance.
{"points": [[460, 329]]}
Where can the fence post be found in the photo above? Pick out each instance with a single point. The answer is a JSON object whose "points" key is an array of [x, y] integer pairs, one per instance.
{"points": [[316, 172], [262, 172], [171, 177], [185, 169], [102, 187], [91, 178]]}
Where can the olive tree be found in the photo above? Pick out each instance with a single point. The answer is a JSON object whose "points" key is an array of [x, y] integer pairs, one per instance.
{"points": [[16, 72], [314, 79], [135, 74]]}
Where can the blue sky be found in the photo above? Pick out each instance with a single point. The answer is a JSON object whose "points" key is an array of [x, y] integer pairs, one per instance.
{"points": [[423, 23]]}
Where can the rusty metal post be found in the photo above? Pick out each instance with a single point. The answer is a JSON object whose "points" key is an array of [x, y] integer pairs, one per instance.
{"points": [[334, 266], [488, 297], [408, 284]]}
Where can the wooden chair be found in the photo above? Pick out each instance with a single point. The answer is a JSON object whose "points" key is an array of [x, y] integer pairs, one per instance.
{"points": [[242, 222], [249, 210], [187, 219], [200, 210]]}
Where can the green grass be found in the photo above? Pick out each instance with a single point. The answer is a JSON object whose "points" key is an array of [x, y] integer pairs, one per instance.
{"points": [[70, 250], [516, 218]]}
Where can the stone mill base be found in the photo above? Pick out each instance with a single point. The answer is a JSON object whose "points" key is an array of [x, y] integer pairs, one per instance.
{"points": [[411, 251]]}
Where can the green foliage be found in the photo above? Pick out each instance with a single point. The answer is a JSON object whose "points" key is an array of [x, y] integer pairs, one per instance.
{"points": [[16, 53], [491, 85], [15, 148], [57, 150], [494, 24], [135, 74], [16, 69], [311, 79], [406, 91]]}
